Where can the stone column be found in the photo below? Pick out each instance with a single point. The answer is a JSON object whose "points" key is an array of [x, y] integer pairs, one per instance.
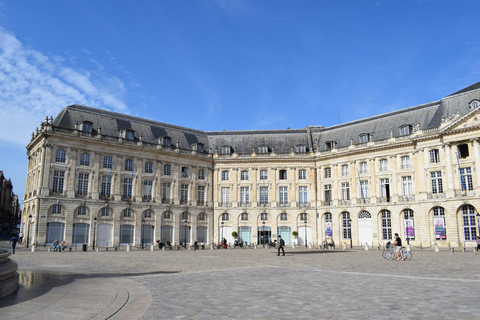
{"points": [[450, 190], [476, 153]]}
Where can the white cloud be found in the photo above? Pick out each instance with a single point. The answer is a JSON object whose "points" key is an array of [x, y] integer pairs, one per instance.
{"points": [[33, 86]]}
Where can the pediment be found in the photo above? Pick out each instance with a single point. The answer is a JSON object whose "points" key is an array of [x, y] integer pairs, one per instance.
{"points": [[456, 122]]}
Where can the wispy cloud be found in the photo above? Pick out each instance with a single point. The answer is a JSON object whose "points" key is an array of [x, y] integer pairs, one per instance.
{"points": [[33, 85]]}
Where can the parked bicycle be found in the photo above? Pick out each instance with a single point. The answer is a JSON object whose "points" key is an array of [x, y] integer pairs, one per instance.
{"points": [[389, 252]]}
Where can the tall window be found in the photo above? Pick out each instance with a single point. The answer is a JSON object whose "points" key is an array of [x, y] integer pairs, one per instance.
{"points": [[363, 167], [128, 165], [244, 175], [263, 196], [225, 175], [167, 170], [283, 195], [201, 195], [469, 227], [201, 174], [386, 225], [439, 223], [225, 195], [58, 179], [61, 156], [405, 162], [409, 224], [82, 183], [466, 179], [105, 188], [263, 174], [146, 189], [407, 186], [344, 170], [167, 141], [434, 156], [328, 194], [282, 174], [302, 195], [107, 162], [302, 174], [436, 177], [385, 189], [244, 196], [127, 188], [364, 189], [148, 167], [166, 192], [327, 172], [345, 191], [383, 165], [346, 225], [183, 193], [84, 159]]}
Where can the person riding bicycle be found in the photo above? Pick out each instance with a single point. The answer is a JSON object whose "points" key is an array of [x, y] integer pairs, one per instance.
{"points": [[398, 248]]}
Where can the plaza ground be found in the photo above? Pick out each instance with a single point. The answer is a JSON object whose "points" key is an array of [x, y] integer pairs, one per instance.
{"points": [[243, 284]]}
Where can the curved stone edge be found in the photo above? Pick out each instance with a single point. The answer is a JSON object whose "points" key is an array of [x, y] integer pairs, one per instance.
{"points": [[8, 274]]}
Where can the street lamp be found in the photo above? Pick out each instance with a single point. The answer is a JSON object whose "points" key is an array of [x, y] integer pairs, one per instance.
{"points": [[350, 227], [143, 231], [94, 229], [28, 229], [263, 234], [305, 233], [221, 234], [185, 243]]}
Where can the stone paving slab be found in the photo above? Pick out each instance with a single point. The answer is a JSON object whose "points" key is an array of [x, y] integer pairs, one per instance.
{"points": [[246, 284]]}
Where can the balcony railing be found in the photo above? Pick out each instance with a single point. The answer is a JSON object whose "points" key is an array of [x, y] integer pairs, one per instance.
{"points": [[407, 198], [436, 196], [224, 204], [363, 201], [166, 200], [345, 202], [201, 203], [57, 193], [383, 200], [464, 193], [327, 203]]}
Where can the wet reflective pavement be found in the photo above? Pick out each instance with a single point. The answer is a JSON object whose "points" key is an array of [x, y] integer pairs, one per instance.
{"points": [[243, 284]]}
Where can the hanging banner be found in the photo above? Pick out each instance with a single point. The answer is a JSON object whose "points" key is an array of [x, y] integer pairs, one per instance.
{"points": [[409, 229], [440, 233], [328, 230]]}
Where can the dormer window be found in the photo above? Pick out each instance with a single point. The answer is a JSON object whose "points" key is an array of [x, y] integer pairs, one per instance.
{"points": [[226, 150], [167, 141], [406, 129], [200, 147], [301, 148], [474, 104], [87, 126], [129, 134], [364, 137], [329, 145], [263, 149]]}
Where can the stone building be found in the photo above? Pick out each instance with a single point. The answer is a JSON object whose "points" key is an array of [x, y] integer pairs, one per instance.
{"points": [[95, 175], [10, 212]]}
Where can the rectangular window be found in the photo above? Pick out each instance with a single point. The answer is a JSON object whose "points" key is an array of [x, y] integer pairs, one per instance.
{"points": [[225, 195], [344, 170], [466, 179], [166, 192], [105, 188], [146, 189], [405, 162], [58, 179], [303, 195], [386, 225], [201, 174], [407, 186], [263, 174], [128, 165], [437, 186], [244, 196], [283, 216], [201, 195], [244, 175], [148, 167], [302, 174], [345, 191], [383, 165], [347, 225], [363, 167], [225, 175], [434, 156], [327, 173], [183, 193], [385, 189], [127, 188], [167, 170], [462, 151], [364, 189], [282, 174], [283, 195], [107, 162], [84, 159], [263, 196], [105, 212], [61, 156], [328, 194], [184, 172], [244, 216], [82, 183]]}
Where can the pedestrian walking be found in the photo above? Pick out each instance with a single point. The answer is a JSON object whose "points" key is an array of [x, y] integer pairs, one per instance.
{"points": [[20, 237], [477, 239], [281, 244], [398, 249], [13, 241]]}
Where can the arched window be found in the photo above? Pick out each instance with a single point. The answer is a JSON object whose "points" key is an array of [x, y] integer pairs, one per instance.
{"points": [[264, 216], [82, 211], [56, 209], [105, 212], [409, 224], [364, 215], [439, 223], [201, 216], [346, 225], [127, 213], [184, 216], [303, 216], [469, 227], [225, 216], [244, 216], [167, 215], [148, 214]]}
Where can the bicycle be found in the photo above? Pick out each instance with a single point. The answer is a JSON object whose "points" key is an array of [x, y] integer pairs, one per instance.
{"points": [[389, 253]]}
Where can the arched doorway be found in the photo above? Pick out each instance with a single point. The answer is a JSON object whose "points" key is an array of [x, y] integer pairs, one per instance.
{"points": [[365, 228]]}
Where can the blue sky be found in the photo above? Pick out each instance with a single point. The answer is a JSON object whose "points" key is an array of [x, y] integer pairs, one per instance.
{"points": [[234, 65]]}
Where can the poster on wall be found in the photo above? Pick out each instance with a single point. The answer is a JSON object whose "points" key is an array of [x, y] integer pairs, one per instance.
{"points": [[440, 233], [328, 230], [409, 229]]}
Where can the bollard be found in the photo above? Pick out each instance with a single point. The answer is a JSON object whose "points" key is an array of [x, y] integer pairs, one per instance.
{"points": [[97, 249], [49, 249], [310, 245], [129, 247], [366, 246], [344, 246], [437, 249], [34, 249], [408, 247], [293, 245], [152, 248]]}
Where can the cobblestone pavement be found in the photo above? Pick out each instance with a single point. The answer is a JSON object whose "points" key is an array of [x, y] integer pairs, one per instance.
{"points": [[244, 284]]}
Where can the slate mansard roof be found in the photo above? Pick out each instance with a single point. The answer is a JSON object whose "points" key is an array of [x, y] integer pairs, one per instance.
{"points": [[378, 127]]}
